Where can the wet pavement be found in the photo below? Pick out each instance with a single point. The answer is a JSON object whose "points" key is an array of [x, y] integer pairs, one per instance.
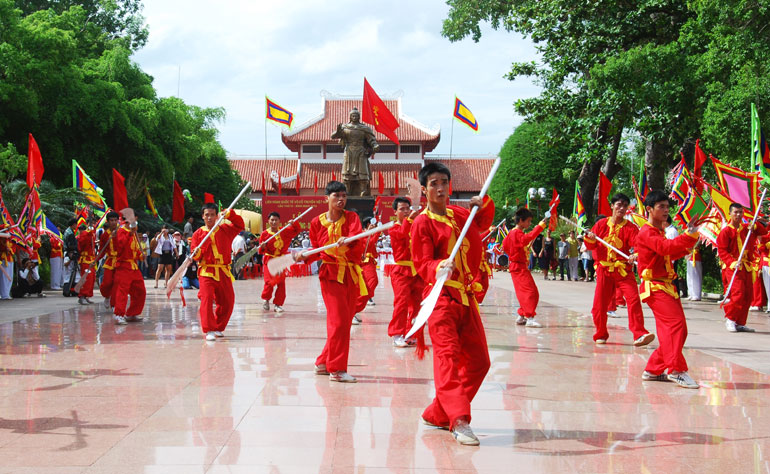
{"points": [[81, 395]]}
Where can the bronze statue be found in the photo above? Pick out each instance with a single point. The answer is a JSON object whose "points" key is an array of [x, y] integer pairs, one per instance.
{"points": [[359, 143]]}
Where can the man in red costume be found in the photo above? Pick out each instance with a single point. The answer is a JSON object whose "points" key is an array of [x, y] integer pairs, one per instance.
{"points": [[107, 286], [278, 246], [656, 255], [460, 354], [86, 258], [368, 270], [614, 271], [407, 284], [214, 276], [341, 280], [517, 245], [758, 289], [729, 244], [127, 279]]}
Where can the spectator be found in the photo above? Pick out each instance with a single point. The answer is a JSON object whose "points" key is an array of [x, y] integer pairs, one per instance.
{"points": [[188, 228], [537, 247], [190, 278], [180, 247], [545, 256], [588, 260], [55, 259], [165, 250], [238, 248], [144, 265], [574, 253], [29, 280], [6, 267], [563, 247], [695, 274]]}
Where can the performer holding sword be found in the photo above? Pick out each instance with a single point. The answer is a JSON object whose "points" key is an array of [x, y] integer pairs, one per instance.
{"points": [[274, 242]]}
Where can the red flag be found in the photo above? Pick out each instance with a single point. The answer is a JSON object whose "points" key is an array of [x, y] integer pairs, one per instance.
{"points": [[34, 164], [334, 178], [395, 188], [450, 189], [554, 211], [415, 175], [264, 189], [315, 184], [298, 185], [177, 213], [119, 194], [381, 186], [208, 198], [279, 184], [605, 187], [700, 158], [376, 113]]}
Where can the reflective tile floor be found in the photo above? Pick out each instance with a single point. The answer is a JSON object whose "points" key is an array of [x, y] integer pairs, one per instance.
{"points": [[80, 395]]}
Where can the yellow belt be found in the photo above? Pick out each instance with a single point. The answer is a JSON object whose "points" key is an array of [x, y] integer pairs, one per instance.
{"points": [[86, 259], [407, 263], [212, 270], [355, 274], [134, 266], [464, 290], [661, 284], [614, 265], [110, 263]]}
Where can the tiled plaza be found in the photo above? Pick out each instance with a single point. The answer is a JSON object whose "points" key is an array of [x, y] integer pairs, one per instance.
{"points": [[81, 395]]}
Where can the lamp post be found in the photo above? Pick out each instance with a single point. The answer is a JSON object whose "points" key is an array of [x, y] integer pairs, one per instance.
{"points": [[537, 195]]}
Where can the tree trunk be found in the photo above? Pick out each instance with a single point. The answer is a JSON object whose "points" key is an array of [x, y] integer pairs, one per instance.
{"points": [[611, 166], [656, 160], [588, 179]]}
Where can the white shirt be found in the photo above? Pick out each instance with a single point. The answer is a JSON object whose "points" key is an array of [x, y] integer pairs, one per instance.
{"points": [[671, 232], [239, 244], [35, 274]]}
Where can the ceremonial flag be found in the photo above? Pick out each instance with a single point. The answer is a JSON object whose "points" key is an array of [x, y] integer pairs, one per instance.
{"points": [[208, 198], [605, 187], [579, 210], [299, 183], [82, 216], [639, 200], [34, 164], [376, 209], [334, 178], [315, 184], [376, 113], [464, 115], [84, 184], [278, 114], [637, 219], [554, 211], [527, 203], [119, 194], [395, 187], [177, 205], [711, 227], [502, 232], [279, 183], [150, 204], [720, 201], [5, 216], [693, 207], [644, 188], [681, 185], [740, 186], [697, 172], [381, 185], [264, 186]]}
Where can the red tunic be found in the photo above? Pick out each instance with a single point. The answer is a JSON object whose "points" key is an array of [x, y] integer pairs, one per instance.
{"points": [[518, 245], [279, 245], [621, 236], [656, 255], [400, 242], [407, 285], [56, 248], [110, 253], [339, 264], [86, 247], [214, 257], [729, 244], [127, 279]]}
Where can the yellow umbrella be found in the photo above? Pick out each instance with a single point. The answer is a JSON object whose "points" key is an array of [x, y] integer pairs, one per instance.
{"points": [[252, 220]]}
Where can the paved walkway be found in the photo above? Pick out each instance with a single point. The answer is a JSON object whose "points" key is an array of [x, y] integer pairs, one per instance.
{"points": [[81, 395]]}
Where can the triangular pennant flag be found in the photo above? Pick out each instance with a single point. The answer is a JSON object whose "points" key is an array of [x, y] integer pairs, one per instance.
{"points": [[377, 113]]}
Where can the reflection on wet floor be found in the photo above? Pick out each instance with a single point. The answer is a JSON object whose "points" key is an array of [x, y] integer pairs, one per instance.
{"points": [[80, 394]]}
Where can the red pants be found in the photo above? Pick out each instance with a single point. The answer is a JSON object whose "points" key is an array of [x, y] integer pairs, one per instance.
{"points": [[369, 272], [215, 292], [484, 280], [758, 291], [87, 290], [407, 296], [278, 282], [672, 332], [740, 296], [460, 360], [107, 287], [525, 288], [606, 283], [340, 301], [128, 283]]}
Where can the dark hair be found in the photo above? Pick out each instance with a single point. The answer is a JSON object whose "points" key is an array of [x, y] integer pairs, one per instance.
{"points": [[620, 197], [208, 205], [367, 221], [24, 261], [82, 227], [429, 169], [72, 222], [399, 200], [112, 215], [335, 187], [273, 214], [522, 214], [655, 196], [735, 205]]}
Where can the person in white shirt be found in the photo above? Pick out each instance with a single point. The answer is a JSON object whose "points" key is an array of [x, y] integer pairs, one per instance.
{"points": [[238, 248]]}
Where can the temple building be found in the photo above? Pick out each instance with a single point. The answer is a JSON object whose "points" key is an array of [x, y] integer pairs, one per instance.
{"points": [[317, 157]]}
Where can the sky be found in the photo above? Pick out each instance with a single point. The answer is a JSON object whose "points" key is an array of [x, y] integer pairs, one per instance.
{"points": [[231, 53]]}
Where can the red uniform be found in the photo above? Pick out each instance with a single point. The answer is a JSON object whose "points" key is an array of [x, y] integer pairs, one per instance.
{"points": [[758, 290], [275, 248], [729, 244], [460, 354], [369, 272], [517, 245], [56, 248], [127, 280], [214, 276], [87, 257], [341, 284], [656, 255], [613, 271], [107, 286], [407, 284], [486, 270]]}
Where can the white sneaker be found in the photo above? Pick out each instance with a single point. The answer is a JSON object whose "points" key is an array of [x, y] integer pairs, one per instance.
{"points": [[644, 339], [277, 309], [82, 301], [600, 341], [219, 334], [531, 323], [370, 302], [753, 308], [730, 325], [210, 336], [266, 305], [612, 314], [356, 320], [521, 320], [398, 341], [320, 369], [650, 377], [463, 433], [342, 377], [120, 320], [740, 328], [683, 379]]}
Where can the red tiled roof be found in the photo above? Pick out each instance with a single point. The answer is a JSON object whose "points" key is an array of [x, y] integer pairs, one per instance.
{"points": [[468, 175], [337, 111]]}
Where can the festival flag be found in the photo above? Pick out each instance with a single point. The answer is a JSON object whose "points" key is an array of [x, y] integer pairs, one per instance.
{"points": [[554, 207], [711, 227], [740, 186], [150, 204], [644, 187], [119, 194], [526, 205], [637, 219], [414, 175], [278, 114], [697, 172], [376, 208], [502, 232], [605, 188], [334, 178], [315, 184], [299, 184], [84, 184], [6, 220], [395, 187], [464, 115], [693, 207], [579, 210], [720, 201], [639, 199], [381, 185], [760, 153], [681, 184], [177, 205], [208, 198], [376, 113], [34, 164], [81, 215], [264, 186], [279, 183]]}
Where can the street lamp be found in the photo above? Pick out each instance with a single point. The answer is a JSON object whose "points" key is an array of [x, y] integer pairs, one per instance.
{"points": [[536, 195]]}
